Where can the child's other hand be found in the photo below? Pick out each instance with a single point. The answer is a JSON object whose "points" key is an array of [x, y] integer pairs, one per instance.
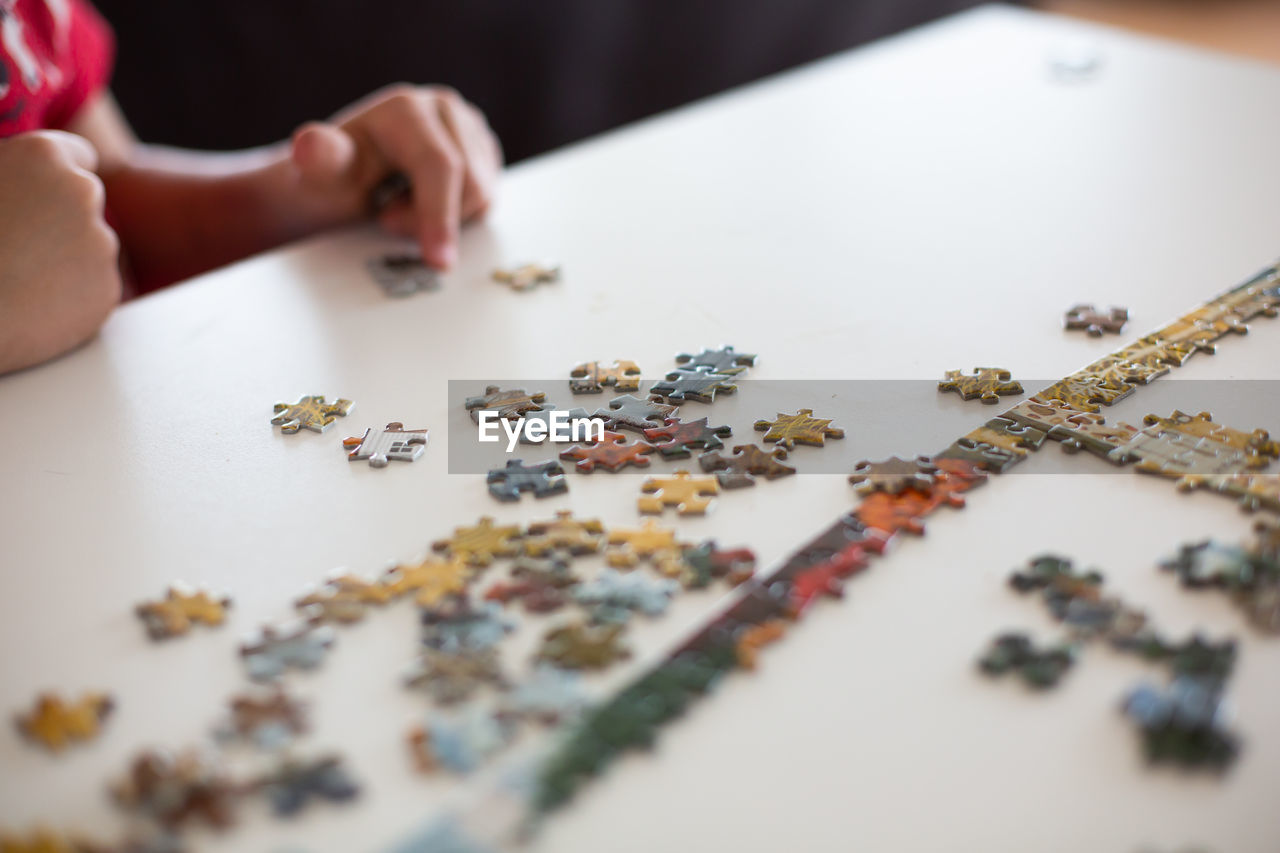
{"points": [[60, 276], [441, 142]]}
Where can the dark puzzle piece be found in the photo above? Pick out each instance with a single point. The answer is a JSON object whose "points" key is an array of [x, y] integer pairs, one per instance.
{"points": [[705, 563], [541, 584], [747, 462], [1094, 321], [724, 360], [988, 384], [612, 453], [544, 416], [298, 644], [543, 479], [295, 783], [402, 275], [683, 385], [989, 457], [1015, 652], [1183, 724], [894, 475], [682, 435], [268, 720], [457, 624], [583, 645], [635, 414], [592, 377], [510, 404]]}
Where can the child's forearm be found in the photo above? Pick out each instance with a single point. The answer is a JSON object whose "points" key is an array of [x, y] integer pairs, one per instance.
{"points": [[180, 213]]}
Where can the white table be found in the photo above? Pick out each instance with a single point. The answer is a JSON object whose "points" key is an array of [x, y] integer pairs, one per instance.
{"points": [[929, 202]]}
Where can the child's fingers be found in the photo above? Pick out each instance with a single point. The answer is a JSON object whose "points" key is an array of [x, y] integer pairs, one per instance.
{"points": [[323, 153], [478, 149], [414, 139], [71, 147]]}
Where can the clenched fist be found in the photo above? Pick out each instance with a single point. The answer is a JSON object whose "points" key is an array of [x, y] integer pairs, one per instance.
{"points": [[59, 273]]}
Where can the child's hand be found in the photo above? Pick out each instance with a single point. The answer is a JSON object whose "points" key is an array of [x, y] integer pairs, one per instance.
{"points": [[441, 142], [60, 276]]}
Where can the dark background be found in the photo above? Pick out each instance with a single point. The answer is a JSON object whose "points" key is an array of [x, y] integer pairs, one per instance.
{"points": [[238, 73]]}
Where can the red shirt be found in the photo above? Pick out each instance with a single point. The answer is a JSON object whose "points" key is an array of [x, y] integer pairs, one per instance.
{"points": [[55, 56]]}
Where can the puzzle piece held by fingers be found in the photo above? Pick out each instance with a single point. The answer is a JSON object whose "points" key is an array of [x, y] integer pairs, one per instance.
{"points": [[56, 724], [174, 615], [985, 383], [688, 494], [312, 412], [403, 274], [1095, 322], [394, 442], [592, 377], [801, 428]]}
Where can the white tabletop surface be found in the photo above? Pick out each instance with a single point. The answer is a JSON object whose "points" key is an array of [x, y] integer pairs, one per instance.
{"points": [[929, 202]]}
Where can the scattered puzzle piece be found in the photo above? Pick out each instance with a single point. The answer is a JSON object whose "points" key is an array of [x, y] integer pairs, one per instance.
{"points": [[745, 464], [432, 580], [1183, 724], [633, 413], [295, 783], [480, 544], [451, 677], [614, 595], [541, 584], [650, 541], [800, 428], [894, 475], [344, 599], [988, 384], [689, 495], [705, 562], [56, 724], [295, 644], [613, 452], [682, 435], [459, 743], [550, 696], [527, 276], [544, 418], [312, 412], [753, 638], [592, 377], [564, 534], [543, 479], [724, 360], [459, 625], [583, 645], [402, 275], [1015, 652], [907, 510], [174, 615], [702, 385], [1094, 321], [175, 790], [267, 720], [392, 443], [509, 405]]}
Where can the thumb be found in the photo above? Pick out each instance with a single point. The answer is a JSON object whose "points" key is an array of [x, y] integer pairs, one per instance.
{"points": [[323, 153], [75, 148]]}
